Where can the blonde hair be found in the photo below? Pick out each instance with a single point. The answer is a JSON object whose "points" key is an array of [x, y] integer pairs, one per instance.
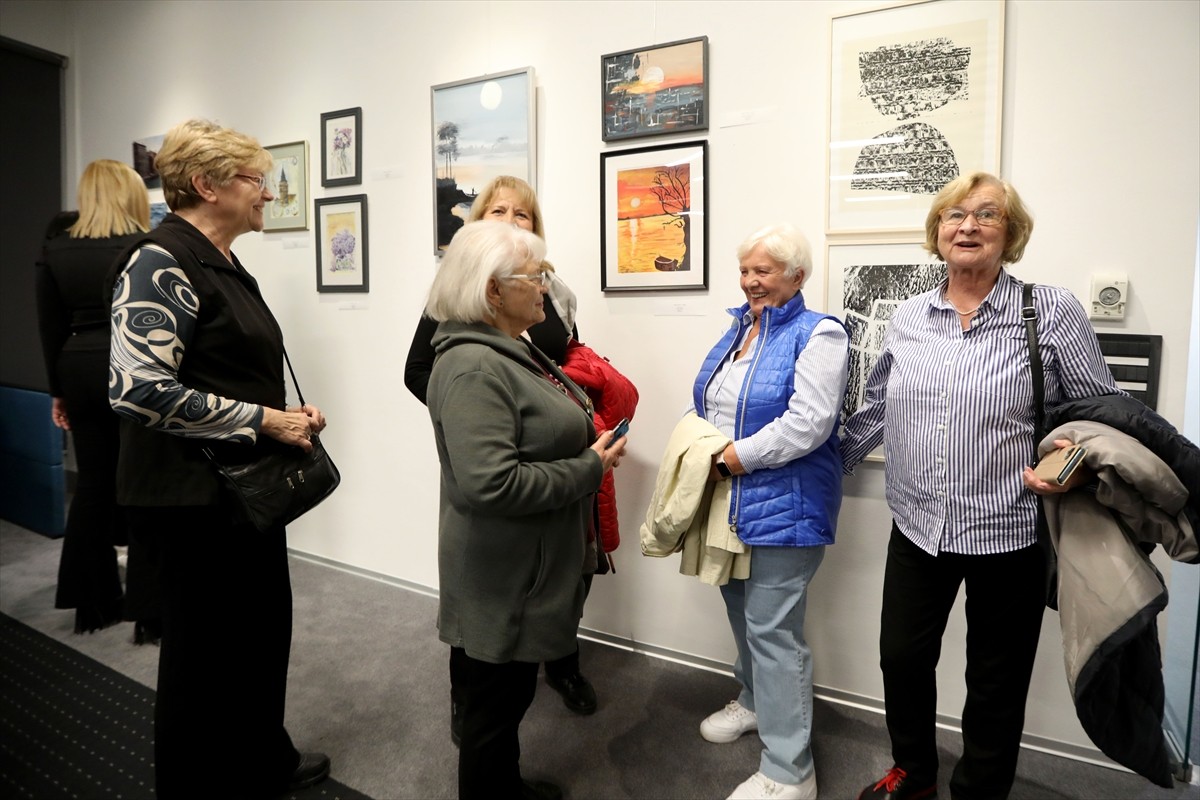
{"points": [[1017, 219], [112, 202], [199, 148], [524, 192], [479, 252]]}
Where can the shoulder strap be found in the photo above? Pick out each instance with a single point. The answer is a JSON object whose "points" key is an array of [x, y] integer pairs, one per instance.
{"points": [[296, 383], [1029, 317]]}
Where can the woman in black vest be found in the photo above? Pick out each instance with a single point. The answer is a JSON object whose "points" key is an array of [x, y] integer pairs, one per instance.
{"points": [[197, 362], [114, 212]]}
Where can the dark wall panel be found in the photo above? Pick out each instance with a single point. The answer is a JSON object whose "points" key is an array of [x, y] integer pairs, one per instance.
{"points": [[30, 196]]}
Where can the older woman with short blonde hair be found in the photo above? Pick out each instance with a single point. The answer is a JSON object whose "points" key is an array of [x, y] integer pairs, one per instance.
{"points": [[197, 369], [951, 399]]}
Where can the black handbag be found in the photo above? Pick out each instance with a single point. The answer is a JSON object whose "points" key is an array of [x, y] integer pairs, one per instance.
{"points": [[279, 487]]}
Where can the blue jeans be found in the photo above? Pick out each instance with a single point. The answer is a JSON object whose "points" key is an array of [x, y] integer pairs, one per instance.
{"points": [[774, 664]]}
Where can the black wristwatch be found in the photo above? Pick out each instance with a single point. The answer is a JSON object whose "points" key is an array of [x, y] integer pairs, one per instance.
{"points": [[723, 468]]}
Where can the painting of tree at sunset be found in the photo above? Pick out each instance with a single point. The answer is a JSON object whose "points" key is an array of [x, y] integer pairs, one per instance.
{"points": [[653, 224], [653, 202], [655, 90]]}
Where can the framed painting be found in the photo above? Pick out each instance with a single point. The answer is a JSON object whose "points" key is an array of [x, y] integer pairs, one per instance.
{"points": [[342, 251], [341, 147], [483, 128], [867, 281], [653, 218], [914, 102], [145, 151], [655, 90], [288, 181]]}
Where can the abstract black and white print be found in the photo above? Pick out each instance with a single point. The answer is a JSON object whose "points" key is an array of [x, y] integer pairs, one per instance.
{"points": [[870, 295]]}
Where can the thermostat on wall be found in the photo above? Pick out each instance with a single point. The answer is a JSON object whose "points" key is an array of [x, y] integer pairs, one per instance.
{"points": [[1110, 291]]}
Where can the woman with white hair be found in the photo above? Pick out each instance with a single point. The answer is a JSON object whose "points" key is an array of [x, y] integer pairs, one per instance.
{"points": [[774, 385], [520, 462]]}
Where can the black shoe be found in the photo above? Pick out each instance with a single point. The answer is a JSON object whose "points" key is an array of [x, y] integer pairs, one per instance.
{"points": [[312, 769], [897, 785], [456, 723], [577, 693], [540, 790]]}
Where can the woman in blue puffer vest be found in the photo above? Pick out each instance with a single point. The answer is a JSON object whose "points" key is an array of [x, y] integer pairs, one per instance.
{"points": [[774, 384]]}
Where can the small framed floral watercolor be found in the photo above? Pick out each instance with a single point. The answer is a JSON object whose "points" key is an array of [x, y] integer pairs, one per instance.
{"points": [[342, 250], [341, 147]]}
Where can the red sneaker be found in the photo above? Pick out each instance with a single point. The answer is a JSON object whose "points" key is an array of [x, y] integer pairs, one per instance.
{"points": [[896, 785]]}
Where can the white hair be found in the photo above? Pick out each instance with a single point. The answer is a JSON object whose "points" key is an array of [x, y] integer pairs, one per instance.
{"points": [[479, 252], [784, 244]]}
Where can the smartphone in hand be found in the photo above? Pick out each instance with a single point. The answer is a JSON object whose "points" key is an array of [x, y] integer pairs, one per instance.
{"points": [[1060, 464], [619, 431]]}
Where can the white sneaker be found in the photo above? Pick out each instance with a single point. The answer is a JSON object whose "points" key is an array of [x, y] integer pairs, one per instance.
{"points": [[760, 787], [729, 723]]}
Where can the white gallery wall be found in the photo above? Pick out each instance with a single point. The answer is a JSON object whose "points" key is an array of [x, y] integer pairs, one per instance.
{"points": [[1101, 135]]}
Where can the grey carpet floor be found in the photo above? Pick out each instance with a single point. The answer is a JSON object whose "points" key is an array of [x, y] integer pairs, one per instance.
{"points": [[369, 686]]}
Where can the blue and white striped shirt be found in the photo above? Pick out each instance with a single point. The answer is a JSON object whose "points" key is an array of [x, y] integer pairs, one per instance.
{"points": [[954, 411]]}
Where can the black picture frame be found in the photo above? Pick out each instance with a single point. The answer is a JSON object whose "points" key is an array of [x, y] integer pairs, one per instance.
{"points": [[644, 251], [676, 108], [343, 244], [341, 160]]}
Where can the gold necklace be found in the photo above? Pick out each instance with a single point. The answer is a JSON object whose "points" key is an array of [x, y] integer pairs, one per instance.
{"points": [[965, 313]]}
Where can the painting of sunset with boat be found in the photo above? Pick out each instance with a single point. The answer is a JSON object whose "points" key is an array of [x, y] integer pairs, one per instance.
{"points": [[653, 205]]}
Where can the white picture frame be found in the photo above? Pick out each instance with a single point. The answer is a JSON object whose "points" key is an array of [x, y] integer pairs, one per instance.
{"points": [[915, 97], [482, 128]]}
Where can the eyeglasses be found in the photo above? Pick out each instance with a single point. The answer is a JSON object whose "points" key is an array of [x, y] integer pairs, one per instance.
{"points": [[541, 276], [988, 217], [261, 180]]}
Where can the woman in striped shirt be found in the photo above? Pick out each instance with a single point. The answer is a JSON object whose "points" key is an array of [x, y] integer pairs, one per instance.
{"points": [[951, 400]]}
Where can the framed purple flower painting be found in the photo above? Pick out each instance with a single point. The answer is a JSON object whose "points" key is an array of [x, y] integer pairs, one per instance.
{"points": [[342, 250], [341, 147]]}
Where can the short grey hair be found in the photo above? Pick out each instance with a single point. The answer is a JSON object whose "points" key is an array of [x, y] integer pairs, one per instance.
{"points": [[784, 244], [479, 252]]}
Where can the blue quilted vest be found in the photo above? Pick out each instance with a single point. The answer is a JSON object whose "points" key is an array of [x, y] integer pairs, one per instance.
{"points": [[795, 505]]}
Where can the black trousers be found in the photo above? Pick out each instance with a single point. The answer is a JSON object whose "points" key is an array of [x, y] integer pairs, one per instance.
{"points": [[88, 579], [1004, 602], [222, 673], [494, 700]]}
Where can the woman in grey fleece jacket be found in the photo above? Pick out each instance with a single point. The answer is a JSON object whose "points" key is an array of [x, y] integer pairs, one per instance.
{"points": [[520, 463]]}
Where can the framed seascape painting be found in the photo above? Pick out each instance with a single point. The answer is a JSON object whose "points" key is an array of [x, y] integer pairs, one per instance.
{"points": [[342, 250], [866, 284], [288, 181], [655, 90], [483, 128], [653, 218], [341, 147], [914, 102]]}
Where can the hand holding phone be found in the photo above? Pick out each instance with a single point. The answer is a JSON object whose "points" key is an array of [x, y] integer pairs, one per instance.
{"points": [[1058, 466], [619, 431]]}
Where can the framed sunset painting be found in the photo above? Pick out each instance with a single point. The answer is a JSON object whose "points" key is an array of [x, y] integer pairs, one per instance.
{"points": [[653, 222], [650, 91]]}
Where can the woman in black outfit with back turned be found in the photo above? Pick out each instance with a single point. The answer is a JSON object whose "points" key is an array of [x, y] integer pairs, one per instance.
{"points": [[73, 320]]}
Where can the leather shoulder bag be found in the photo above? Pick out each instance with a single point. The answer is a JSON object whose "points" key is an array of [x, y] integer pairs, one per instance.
{"points": [[277, 488]]}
